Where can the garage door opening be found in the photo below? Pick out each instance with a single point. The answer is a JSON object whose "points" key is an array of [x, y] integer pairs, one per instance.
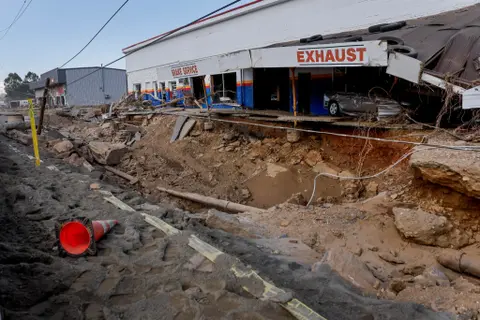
{"points": [[198, 87], [271, 89], [225, 87]]}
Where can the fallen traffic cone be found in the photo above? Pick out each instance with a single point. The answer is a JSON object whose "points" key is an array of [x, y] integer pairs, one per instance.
{"points": [[77, 237]]}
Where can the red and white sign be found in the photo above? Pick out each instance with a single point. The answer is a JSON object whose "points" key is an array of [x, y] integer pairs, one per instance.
{"points": [[184, 71], [334, 55], [350, 54]]}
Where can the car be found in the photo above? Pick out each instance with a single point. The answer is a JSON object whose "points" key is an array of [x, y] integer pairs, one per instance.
{"points": [[355, 104]]}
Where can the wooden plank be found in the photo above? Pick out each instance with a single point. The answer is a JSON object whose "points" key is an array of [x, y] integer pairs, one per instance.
{"points": [[119, 204], [208, 251], [160, 224]]}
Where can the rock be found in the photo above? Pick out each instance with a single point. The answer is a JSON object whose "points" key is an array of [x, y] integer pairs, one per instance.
{"points": [[95, 186], [229, 149], [75, 160], [324, 167], [420, 226], [199, 263], [424, 281], [379, 270], [390, 258], [463, 285], [63, 146], [107, 153], [313, 157], [284, 223], [208, 126], [349, 267], [195, 133], [397, 285], [230, 136], [234, 144], [107, 125], [428, 229], [253, 155], [298, 199], [293, 136], [245, 193], [21, 137], [434, 274], [371, 189], [413, 269], [459, 171], [389, 294], [88, 166]]}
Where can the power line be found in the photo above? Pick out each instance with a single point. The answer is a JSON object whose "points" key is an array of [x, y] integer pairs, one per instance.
{"points": [[19, 10], [96, 34], [158, 39], [16, 19]]}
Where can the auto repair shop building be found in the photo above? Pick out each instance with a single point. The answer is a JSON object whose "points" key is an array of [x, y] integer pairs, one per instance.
{"points": [[251, 53]]}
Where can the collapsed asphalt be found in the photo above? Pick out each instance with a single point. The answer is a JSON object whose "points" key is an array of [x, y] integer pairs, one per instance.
{"points": [[139, 273]]}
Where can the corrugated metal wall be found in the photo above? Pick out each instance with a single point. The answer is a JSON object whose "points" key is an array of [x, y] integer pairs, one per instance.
{"points": [[102, 87]]}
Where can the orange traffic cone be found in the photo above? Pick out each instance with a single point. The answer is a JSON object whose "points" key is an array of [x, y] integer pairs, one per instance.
{"points": [[77, 237]]}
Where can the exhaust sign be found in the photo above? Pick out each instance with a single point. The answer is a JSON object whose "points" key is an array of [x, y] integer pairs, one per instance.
{"points": [[333, 56], [346, 54]]}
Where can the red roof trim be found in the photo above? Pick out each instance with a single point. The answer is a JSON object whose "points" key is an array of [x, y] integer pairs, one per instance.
{"points": [[206, 19]]}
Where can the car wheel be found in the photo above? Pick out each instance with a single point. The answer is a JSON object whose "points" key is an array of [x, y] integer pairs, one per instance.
{"points": [[334, 108]]}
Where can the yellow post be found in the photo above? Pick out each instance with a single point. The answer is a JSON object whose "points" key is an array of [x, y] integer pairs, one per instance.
{"points": [[34, 133], [294, 98]]}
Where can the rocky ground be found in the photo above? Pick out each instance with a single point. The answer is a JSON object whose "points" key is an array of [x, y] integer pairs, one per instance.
{"points": [[382, 235]]}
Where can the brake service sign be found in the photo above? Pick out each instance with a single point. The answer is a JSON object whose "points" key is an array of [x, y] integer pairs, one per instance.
{"points": [[184, 71], [335, 55]]}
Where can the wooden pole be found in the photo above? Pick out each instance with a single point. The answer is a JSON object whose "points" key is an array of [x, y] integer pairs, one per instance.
{"points": [[223, 204], [124, 175], [294, 97], [42, 108]]}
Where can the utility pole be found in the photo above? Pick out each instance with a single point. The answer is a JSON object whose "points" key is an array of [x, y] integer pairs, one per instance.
{"points": [[42, 108]]}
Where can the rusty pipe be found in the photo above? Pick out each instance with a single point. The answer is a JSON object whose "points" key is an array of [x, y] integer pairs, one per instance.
{"points": [[460, 262]]}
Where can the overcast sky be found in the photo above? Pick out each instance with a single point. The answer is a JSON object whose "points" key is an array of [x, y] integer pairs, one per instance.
{"points": [[51, 31]]}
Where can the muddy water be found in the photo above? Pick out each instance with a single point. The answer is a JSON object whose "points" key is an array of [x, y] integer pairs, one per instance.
{"points": [[277, 183]]}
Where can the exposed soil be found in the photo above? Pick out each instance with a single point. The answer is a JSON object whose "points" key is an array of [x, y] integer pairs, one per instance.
{"points": [[260, 168]]}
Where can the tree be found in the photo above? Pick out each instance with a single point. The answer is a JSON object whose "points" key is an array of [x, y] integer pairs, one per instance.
{"points": [[16, 88], [31, 77]]}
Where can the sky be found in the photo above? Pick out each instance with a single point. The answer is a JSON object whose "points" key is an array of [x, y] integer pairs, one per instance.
{"points": [[50, 32]]}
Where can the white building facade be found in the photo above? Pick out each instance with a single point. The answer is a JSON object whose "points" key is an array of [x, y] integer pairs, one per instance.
{"points": [[236, 49]]}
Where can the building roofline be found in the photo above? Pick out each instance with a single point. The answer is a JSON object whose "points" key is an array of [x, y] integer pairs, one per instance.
{"points": [[126, 49], [74, 68]]}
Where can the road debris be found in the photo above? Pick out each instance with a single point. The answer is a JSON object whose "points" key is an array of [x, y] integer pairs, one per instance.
{"points": [[77, 237]]}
